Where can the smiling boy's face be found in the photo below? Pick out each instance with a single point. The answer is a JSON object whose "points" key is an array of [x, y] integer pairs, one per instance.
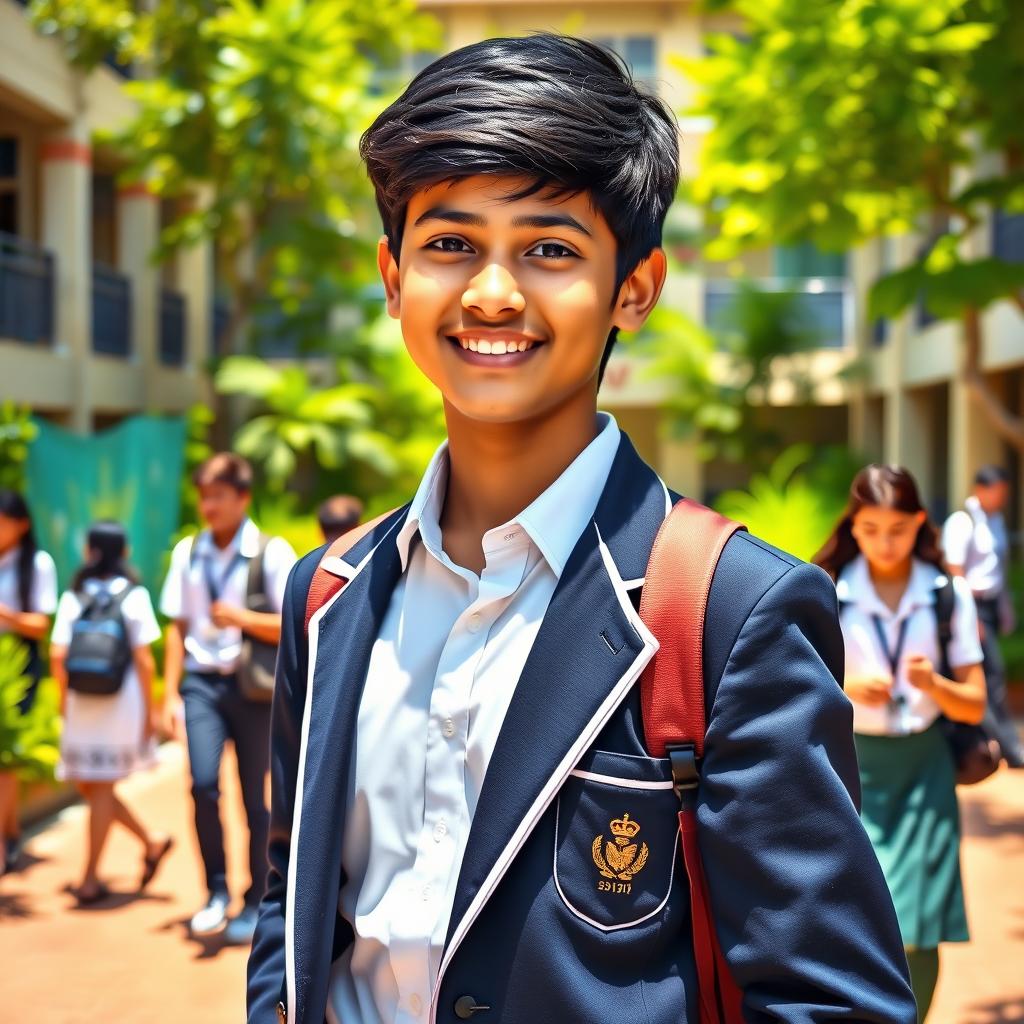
{"points": [[506, 306]]}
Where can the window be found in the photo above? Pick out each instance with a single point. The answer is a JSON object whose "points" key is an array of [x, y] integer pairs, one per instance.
{"points": [[9, 185], [807, 260], [1008, 236], [640, 55]]}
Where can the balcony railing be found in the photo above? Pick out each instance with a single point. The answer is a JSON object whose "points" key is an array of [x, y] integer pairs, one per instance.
{"points": [[826, 301], [26, 291], [172, 328], [111, 312]]}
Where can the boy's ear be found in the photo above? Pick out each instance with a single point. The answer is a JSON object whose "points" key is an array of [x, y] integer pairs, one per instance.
{"points": [[640, 292], [388, 267]]}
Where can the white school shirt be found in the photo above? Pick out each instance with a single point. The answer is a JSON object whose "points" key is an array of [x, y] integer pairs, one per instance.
{"points": [[186, 596], [859, 602], [441, 675], [977, 541], [43, 592]]}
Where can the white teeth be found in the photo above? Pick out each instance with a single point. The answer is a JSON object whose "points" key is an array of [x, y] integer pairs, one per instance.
{"points": [[498, 348], [464, 343], [495, 348], [484, 347]]}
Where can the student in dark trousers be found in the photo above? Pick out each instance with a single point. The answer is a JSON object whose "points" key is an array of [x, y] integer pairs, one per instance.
{"points": [[976, 547], [205, 596], [458, 735], [338, 515], [28, 597], [884, 556]]}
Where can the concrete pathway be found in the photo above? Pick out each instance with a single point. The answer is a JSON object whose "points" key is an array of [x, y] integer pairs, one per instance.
{"points": [[132, 960]]}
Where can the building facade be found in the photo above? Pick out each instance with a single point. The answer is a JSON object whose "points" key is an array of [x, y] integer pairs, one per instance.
{"points": [[91, 330]]}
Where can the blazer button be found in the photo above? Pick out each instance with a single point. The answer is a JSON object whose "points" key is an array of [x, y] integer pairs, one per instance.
{"points": [[282, 1014], [466, 1006]]}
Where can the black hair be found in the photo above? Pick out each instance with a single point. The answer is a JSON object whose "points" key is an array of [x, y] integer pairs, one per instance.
{"points": [[339, 514], [225, 468], [561, 111], [989, 475], [107, 544], [14, 506]]}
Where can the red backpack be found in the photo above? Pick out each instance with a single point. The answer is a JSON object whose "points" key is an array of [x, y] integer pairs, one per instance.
{"points": [[672, 605]]}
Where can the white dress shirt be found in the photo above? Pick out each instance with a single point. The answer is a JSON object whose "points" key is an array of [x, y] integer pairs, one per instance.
{"points": [[441, 676], [913, 711], [977, 541], [43, 591], [186, 596]]}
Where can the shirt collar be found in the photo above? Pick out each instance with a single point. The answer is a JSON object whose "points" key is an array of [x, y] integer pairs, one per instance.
{"points": [[246, 541], [9, 558], [854, 586], [554, 520]]}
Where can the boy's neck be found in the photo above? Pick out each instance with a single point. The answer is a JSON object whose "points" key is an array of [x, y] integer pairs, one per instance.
{"points": [[223, 538], [497, 470]]}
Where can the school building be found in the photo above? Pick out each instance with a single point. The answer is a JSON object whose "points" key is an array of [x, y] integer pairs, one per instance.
{"points": [[90, 330]]}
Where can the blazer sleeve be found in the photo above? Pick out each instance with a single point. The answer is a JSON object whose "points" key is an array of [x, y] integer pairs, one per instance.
{"points": [[266, 971], [802, 910]]}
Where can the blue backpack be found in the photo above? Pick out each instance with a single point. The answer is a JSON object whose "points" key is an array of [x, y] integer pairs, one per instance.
{"points": [[100, 652]]}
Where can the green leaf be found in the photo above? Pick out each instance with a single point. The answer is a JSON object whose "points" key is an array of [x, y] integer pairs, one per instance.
{"points": [[247, 375]]}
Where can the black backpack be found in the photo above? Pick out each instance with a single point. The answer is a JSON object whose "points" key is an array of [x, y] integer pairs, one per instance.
{"points": [[100, 652]]}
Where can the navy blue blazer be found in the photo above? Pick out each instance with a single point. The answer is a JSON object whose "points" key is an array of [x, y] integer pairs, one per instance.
{"points": [[538, 934]]}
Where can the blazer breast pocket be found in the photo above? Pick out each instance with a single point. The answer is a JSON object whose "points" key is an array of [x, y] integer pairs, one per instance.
{"points": [[616, 839]]}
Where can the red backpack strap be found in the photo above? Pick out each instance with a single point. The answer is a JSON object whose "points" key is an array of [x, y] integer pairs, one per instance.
{"points": [[673, 604], [325, 584]]}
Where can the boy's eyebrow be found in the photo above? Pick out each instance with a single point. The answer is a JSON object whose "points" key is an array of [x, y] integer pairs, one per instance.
{"points": [[539, 220]]}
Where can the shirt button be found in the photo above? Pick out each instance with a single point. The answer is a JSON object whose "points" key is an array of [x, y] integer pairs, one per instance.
{"points": [[416, 1005], [449, 728], [474, 623], [426, 892], [440, 831]]}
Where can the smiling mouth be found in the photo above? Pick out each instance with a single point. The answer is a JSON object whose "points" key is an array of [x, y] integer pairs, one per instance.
{"points": [[496, 347]]}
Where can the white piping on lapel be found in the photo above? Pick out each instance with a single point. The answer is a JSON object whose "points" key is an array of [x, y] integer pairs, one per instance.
{"points": [[639, 581], [339, 567], [293, 850], [554, 784]]}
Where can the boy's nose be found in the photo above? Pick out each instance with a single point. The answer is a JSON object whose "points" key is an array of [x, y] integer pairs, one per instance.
{"points": [[494, 292]]}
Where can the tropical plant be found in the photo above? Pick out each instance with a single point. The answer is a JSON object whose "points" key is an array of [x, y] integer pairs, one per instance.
{"points": [[29, 741], [795, 504], [838, 122], [16, 433]]}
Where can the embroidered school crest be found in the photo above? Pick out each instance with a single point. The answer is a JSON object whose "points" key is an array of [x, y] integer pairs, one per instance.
{"points": [[621, 858]]}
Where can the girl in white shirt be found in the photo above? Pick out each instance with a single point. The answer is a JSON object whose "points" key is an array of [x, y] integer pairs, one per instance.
{"points": [[106, 737], [885, 560], [28, 597]]}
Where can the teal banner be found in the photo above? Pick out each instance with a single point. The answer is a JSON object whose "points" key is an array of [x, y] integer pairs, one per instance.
{"points": [[130, 473]]}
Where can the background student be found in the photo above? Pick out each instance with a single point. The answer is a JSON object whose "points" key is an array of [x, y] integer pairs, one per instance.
{"points": [[976, 547], [106, 736], [28, 597], [885, 559], [337, 515], [207, 595]]}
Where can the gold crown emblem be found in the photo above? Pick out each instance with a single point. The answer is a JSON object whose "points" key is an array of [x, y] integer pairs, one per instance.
{"points": [[623, 828]]}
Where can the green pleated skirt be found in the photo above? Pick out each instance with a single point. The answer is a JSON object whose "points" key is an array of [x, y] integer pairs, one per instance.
{"points": [[910, 811]]}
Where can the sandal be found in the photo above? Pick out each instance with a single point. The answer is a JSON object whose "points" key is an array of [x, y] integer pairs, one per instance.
{"points": [[150, 864], [88, 899]]}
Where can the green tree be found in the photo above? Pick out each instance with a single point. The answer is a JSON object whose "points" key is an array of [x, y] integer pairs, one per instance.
{"points": [[843, 120], [252, 110], [16, 433]]}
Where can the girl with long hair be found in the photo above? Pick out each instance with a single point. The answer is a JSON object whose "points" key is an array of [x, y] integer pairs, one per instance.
{"points": [[108, 736], [28, 597], [885, 560]]}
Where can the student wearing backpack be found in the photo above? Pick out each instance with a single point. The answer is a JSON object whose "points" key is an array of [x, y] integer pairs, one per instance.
{"points": [[475, 813], [884, 556], [100, 656], [223, 593], [28, 597]]}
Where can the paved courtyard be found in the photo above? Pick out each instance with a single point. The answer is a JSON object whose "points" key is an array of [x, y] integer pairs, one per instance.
{"points": [[131, 960]]}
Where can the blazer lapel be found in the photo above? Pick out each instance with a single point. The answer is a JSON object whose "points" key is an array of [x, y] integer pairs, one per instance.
{"points": [[341, 639], [590, 650]]}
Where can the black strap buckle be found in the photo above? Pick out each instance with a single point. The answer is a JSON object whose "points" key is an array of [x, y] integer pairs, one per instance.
{"points": [[685, 770]]}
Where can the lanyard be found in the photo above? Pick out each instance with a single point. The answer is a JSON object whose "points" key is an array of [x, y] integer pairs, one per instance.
{"points": [[898, 701], [214, 588]]}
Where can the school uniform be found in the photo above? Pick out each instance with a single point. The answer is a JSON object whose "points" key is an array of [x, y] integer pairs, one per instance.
{"points": [[909, 804], [42, 598], [102, 736], [450, 751], [215, 709], [979, 542]]}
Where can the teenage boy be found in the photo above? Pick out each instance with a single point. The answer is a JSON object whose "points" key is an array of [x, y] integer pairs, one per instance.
{"points": [[338, 515], [462, 729], [977, 547], [206, 595]]}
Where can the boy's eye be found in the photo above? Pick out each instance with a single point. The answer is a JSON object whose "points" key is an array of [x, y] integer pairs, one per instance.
{"points": [[551, 251], [449, 244]]}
